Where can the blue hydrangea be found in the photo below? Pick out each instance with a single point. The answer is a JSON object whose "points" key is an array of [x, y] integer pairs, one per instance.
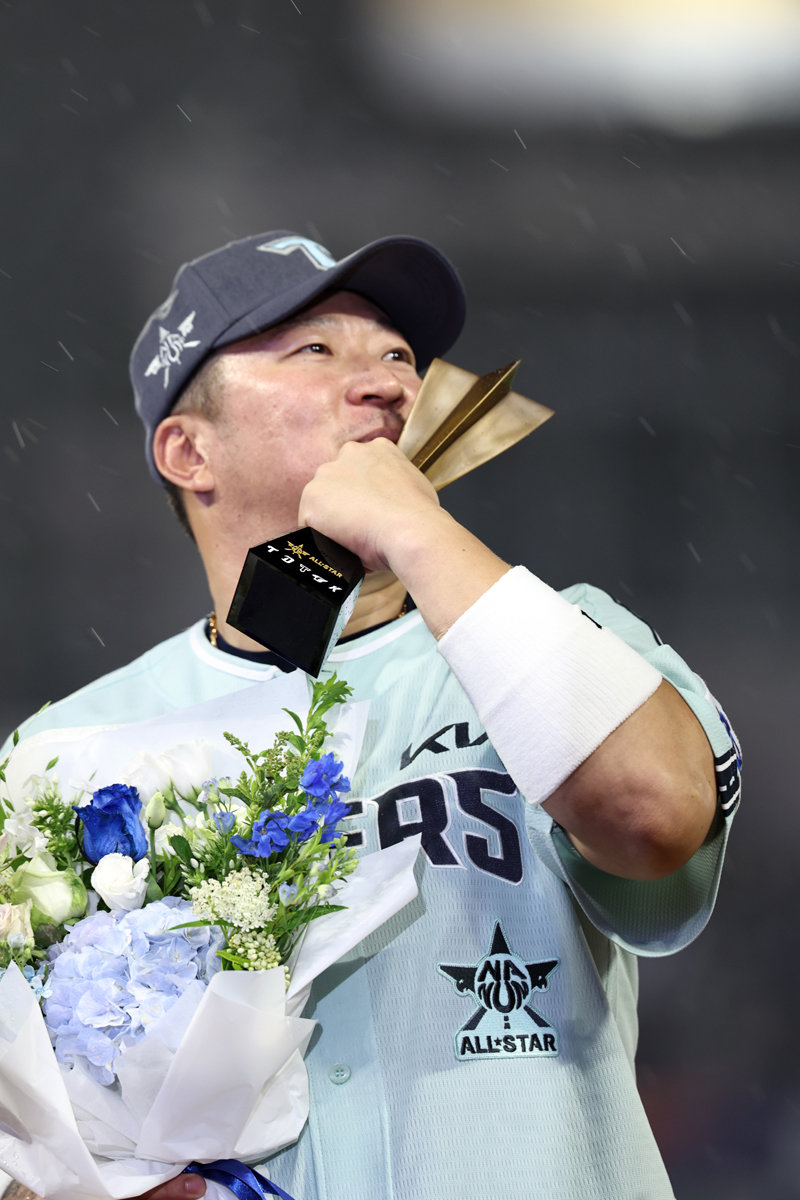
{"points": [[117, 973], [112, 823], [323, 779]]}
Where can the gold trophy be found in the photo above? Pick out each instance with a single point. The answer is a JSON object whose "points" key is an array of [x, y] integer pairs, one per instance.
{"points": [[296, 592]]}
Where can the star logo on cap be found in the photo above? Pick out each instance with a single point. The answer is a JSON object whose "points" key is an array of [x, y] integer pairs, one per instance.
{"points": [[298, 550], [171, 346]]}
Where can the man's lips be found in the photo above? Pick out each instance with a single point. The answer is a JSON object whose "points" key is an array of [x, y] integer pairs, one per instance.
{"points": [[391, 431]]}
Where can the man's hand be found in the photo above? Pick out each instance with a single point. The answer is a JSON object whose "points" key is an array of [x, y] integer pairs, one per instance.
{"points": [[183, 1187], [374, 502], [367, 499]]}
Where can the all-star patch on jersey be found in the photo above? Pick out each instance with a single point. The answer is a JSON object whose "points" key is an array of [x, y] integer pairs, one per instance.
{"points": [[504, 1024]]}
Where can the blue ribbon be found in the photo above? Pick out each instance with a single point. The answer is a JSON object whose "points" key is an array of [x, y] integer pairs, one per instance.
{"points": [[243, 1181]]}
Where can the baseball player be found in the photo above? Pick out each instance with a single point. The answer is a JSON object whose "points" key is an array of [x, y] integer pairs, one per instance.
{"points": [[571, 779]]}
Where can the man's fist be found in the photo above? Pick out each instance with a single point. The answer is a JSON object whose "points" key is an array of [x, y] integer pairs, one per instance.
{"points": [[183, 1187], [369, 499]]}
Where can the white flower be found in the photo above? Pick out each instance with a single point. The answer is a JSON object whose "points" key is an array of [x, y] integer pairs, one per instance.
{"points": [[156, 811], [27, 839], [57, 895], [164, 835], [184, 766], [37, 783], [192, 823], [198, 820], [241, 899], [121, 882], [15, 922]]}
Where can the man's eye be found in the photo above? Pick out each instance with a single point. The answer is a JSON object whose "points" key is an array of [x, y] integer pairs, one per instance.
{"points": [[400, 355], [313, 348]]}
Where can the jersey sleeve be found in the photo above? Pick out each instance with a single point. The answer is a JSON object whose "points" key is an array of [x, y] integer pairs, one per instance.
{"points": [[660, 916], [651, 917]]}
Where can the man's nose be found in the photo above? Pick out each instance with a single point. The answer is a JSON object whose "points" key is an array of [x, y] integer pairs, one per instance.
{"points": [[377, 384]]}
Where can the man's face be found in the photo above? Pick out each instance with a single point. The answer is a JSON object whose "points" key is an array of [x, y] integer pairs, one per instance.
{"points": [[294, 394]]}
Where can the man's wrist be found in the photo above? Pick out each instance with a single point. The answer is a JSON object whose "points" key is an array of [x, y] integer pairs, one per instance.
{"points": [[445, 568], [548, 683]]}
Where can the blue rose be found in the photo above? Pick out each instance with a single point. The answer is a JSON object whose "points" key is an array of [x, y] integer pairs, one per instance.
{"points": [[112, 823], [323, 779]]}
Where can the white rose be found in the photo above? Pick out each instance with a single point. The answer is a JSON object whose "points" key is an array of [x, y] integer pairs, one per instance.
{"points": [[185, 767], [121, 882], [57, 895]]}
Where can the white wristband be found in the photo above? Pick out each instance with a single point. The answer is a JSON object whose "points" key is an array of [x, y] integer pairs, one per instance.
{"points": [[547, 683]]}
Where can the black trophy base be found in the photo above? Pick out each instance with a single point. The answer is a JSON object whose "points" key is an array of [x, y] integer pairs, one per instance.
{"points": [[295, 595]]}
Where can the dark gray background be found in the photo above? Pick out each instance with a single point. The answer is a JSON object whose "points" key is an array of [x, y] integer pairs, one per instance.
{"points": [[647, 278]]}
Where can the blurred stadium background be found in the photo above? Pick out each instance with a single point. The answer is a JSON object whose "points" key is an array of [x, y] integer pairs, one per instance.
{"points": [[618, 183]]}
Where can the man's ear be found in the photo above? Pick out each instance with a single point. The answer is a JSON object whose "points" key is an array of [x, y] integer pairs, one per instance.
{"points": [[179, 452]]}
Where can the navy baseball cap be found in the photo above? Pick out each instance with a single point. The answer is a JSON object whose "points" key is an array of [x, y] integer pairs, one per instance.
{"points": [[250, 284]]}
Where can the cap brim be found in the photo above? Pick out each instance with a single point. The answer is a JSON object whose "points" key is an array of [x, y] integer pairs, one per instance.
{"points": [[408, 279]]}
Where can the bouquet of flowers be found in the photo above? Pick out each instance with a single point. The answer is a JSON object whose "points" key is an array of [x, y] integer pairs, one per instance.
{"points": [[132, 936]]}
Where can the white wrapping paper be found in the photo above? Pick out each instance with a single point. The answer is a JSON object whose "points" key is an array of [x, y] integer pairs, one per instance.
{"points": [[221, 1075], [186, 743]]}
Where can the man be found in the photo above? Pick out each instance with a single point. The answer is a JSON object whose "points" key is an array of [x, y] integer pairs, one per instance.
{"points": [[570, 777]]}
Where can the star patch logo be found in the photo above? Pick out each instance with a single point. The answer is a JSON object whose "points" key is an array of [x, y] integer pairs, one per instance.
{"points": [[170, 347], [501, 983], [298, 550]]}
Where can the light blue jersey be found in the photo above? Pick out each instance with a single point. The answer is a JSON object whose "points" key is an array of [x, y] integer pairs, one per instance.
{"points": [[482, 1041]]}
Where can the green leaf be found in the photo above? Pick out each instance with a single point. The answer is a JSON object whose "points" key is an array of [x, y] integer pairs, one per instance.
{"points": [[295, 718], [235, 960], [153, 892], [182, 849], [240, 792], [172, 880], [51, 764], [298, 917]]}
